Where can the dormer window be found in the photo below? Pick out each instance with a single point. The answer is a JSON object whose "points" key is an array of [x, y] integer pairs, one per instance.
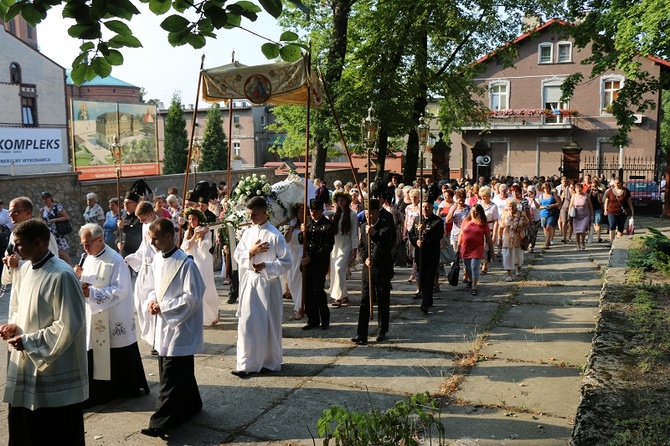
{"points": [[545, 53], [564, 52]]}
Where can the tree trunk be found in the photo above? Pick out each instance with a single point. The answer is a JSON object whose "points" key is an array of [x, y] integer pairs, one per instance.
{"points": [[318, 168], [381, 157]]}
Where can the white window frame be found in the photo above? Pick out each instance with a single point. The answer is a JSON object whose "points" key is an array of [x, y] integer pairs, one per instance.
{"points": [[558, 52], [603, 91], [237, 146], [554, 82], [551, 53], [236, 119], [499, 83]]}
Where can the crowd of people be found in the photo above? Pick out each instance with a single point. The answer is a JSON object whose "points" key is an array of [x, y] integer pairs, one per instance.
{"points": [[147, 272]]}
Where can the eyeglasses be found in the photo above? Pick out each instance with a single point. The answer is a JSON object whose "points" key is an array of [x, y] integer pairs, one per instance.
{"points": [[16, 211], [86, 245]]}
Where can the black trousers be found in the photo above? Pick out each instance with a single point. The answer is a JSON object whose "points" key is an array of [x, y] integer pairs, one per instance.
{"points": [[427, 265], [381, 287], [316, 300], [178, 395], [127, 376], [52, 426]]}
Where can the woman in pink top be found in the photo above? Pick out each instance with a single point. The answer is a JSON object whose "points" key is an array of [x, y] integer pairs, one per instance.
{"points": [[475, 232]]}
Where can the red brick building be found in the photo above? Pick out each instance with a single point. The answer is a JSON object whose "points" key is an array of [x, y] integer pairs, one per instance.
{"points": [[109, 89]]}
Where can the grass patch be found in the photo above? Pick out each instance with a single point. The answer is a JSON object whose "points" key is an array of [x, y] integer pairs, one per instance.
{"points": [[651, 253], [643, 431]]}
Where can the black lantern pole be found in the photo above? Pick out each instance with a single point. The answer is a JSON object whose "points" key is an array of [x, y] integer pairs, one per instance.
{"points": [[369, 130]]}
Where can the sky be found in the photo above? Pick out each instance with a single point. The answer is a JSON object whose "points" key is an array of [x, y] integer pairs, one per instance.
{"points": [[158, 67]]}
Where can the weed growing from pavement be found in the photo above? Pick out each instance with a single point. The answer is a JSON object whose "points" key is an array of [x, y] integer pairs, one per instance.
{"points": [[413, 421], [642, 431]]}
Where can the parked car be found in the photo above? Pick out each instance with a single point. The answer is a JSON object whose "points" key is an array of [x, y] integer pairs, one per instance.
{"points": [[646, 195]]}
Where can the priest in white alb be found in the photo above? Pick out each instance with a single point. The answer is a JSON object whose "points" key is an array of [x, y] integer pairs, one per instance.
{"points": [[46, 369], [174, 301], [263, 256], [114, 361]]}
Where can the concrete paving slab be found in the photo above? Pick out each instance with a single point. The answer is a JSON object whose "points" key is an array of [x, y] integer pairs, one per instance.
{"points": [[539, 388], [389, 370], [535, 292], [538, 345], [483, 426], [565, 319], [301, 410]]}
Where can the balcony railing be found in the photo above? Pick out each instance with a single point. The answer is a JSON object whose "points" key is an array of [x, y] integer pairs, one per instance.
{"points": [[525, 119]]}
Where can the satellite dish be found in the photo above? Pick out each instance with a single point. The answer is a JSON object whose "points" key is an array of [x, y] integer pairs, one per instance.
{"points": [[479, 160], [486, 160]]}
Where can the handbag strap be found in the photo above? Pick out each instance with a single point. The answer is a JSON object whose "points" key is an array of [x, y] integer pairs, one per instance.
{"points": [[617, 199]]}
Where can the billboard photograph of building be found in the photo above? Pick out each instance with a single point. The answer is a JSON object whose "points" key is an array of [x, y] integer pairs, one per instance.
{"points": [[95, 125]]}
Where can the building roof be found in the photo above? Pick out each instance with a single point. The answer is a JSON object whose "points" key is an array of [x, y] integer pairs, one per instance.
{"points": [[98, 81], [544, 26]]}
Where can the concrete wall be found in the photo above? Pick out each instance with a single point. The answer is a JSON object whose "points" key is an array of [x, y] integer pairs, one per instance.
{"points": [[71, 193]]}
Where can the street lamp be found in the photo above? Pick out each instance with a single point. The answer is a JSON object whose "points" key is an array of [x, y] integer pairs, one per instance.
{"points": [[115, 148], [369, 131], [422, 132]]}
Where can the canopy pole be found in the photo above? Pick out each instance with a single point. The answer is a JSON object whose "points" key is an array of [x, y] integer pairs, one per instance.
{"points": [[230, 144], [305, 209], [339, 127], [190, 143]]}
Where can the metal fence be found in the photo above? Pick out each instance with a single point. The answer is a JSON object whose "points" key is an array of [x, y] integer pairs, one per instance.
{"points": [[640, 175]]}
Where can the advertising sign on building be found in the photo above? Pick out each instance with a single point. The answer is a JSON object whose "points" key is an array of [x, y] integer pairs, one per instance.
{"points": [[30, 146], [95, 125]]}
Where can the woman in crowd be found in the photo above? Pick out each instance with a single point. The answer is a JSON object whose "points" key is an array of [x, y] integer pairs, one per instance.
{"points": [[412, 211], [93, 212], [565, 191], [596, 196], [197, 242], [356, 204], [456, 215], [475, 235], [175, 211], [513, 222], [492, 217], [52, 212], [472, 194], [160, 207], [618, 207], [293, 275], [550, 206], [580, 210], [344, 251], [111, 228], [535, 219]]}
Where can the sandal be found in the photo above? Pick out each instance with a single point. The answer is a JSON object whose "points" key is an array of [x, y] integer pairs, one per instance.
{"points": [[336, 303], [509, 279], [299, 314], [344, 302], [473, 293], [286, 295]]}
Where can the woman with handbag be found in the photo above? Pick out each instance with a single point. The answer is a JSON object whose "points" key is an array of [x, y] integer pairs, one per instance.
{"points": [[580, 210], [550, 204], [475, 234], [618, 207], [58, 221], [513, 223]]}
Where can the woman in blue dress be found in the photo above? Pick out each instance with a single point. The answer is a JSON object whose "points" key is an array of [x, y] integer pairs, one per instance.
{"points": [[550, 206], [111, 228]]}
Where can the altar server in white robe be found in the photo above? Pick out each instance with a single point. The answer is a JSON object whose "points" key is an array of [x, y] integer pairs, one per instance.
{"points": [[262, 255], [197, 243], [140, 261], [114, 361], [174, 301], [46, 368]]}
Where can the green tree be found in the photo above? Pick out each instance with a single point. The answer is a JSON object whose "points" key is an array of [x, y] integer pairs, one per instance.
{"points": [[619, 34], [214, 144], [176, 139], [190, 22]]}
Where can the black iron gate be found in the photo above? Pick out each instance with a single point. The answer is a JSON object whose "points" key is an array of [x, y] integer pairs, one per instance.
{"points": [[640, 175]]}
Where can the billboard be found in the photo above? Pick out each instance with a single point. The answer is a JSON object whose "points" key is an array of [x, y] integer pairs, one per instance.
{"points": [[26, 146], [95, 124]]}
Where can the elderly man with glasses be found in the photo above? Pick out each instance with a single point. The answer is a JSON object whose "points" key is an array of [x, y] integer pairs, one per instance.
{"points": [[20, 210], [114, 362]]}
